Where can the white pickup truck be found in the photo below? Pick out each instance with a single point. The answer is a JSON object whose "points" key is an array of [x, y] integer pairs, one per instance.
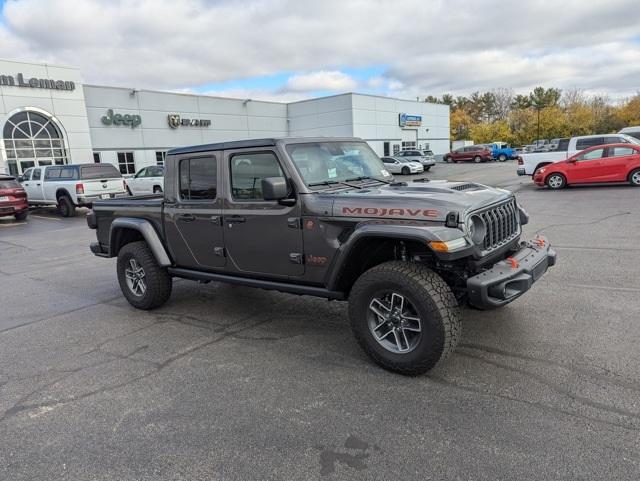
{"points": [[71, 186], [148, 180], [529, 163]]}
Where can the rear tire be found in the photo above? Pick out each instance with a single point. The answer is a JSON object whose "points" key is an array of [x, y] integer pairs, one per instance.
{"points": [[427, 168], [416, 314], [556, 181], [634, 178], [157, 189], [477, 159], [502, 158], [66, 207], [143, 282], [22, 215], [405, 171]]}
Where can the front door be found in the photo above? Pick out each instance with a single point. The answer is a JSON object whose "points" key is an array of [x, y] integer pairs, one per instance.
{"points": [[587, 167], [193, 219], [33, 187], [261, 237]]}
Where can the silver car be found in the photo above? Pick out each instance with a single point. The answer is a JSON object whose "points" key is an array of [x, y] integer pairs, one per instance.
{"points": [[399, 165], [424, 157]]}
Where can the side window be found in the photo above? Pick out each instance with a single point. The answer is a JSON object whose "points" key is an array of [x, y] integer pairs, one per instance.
{"points": [[52, 174], [36, 174], [155, 172], [615, 140], [141, 173], [198, 179], [592, 154], [247, 172], [68, 173], [622, 151], [26, 175], [589, 142]]}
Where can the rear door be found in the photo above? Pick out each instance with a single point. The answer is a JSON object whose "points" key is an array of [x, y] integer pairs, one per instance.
{"points": [[98, 179], [617, 163], [193, 216], [262, 237]]}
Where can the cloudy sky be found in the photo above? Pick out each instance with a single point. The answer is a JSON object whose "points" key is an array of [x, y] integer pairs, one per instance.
{"points": [[293, 49]]}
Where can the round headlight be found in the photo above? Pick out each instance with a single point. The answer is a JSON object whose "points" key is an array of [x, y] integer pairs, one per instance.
{"points": [[476, 229]]}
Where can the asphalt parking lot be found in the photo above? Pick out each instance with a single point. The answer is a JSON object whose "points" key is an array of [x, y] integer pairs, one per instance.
{"points": [[232, 383]]}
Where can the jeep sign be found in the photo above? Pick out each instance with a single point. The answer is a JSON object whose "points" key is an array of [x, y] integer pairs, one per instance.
{"points": [[118, 119]]}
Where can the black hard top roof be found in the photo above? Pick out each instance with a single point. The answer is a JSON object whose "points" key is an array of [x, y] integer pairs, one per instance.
{"points": [[252, 143]]}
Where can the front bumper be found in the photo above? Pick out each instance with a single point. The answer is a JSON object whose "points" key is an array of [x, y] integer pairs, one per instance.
{"points": [[509, 278]]}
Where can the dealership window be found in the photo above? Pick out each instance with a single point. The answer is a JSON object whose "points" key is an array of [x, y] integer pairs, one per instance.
{"points": [[96, 158], [247, 172], [31, 139], [160, 157], [126, 163], [408, 145], [386, 148], [198, 178]]}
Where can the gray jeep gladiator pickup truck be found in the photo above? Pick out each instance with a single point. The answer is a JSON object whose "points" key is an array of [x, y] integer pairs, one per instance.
{"points": [[322, 217]]}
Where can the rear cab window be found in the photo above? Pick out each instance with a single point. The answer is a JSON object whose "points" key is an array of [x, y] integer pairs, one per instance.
{"points": [[99, 171], [198, 179]]}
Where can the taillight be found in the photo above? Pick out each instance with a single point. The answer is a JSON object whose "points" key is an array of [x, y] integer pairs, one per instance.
{"points": [[79, 189], [520, 161]]}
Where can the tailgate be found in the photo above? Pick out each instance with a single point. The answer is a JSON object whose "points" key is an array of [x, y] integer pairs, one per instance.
{"points": [[103, 186]]}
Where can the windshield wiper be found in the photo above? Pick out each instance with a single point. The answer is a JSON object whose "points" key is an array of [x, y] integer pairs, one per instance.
{"points": [[366, 177], [323, 182]]}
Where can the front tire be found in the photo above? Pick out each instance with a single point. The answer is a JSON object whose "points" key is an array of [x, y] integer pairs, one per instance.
{"points": [[449, 160], [502, 158], [634, 178], [405, 171], [556, 181], [143, 282], [404, 316], [22, 215], [427, 168], [66, 207]]}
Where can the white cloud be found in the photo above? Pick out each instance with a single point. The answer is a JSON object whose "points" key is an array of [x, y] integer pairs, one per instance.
{"points": [[334, 81], [429, 46]]}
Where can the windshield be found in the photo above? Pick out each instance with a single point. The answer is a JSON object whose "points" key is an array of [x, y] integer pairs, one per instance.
{"points": [[331, 162]]}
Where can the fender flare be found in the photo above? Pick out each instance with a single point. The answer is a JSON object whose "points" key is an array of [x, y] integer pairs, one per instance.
{"points": [[148, 233], [417, 233]]}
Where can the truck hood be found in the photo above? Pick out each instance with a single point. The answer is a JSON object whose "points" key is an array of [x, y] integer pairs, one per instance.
{"points": [[429, 201]]}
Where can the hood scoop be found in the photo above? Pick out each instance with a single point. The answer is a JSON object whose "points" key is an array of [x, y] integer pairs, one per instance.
{"points": [[465, 187]]}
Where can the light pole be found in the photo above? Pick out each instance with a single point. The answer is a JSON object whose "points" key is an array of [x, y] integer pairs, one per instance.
{"points": [[538, 109]]}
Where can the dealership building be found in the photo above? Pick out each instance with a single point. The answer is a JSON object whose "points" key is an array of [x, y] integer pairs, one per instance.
{"points": [[49, 116]]}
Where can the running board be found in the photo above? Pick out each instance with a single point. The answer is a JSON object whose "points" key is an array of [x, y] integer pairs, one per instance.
{"points": [[260, 284]]}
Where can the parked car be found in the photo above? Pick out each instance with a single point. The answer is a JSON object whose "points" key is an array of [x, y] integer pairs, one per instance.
{"points": [[425, 157], [476, 153], [71, 186], [501, 151], [148, 180], [529, 163], [287, 215], [632, 131], [603, 163], [13, 198], [399, 165]]}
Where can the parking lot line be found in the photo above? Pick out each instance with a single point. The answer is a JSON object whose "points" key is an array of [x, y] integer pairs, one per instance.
{"points": [[46, 218]]}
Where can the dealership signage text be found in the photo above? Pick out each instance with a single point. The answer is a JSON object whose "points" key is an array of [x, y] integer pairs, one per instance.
{"points": [[175, 121], [131, 120], [35, 83], [407, 120]]}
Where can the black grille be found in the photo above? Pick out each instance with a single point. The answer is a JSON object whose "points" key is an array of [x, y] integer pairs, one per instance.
{"points": [[502, 223], [464, 186]]}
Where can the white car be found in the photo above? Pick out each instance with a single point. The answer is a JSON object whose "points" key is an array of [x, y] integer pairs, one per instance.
{"points": [[148, 180], [423, 157], [398, 165], [71, 186]]}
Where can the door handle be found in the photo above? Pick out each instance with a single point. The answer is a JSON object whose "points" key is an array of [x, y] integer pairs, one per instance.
{"points": [[236, 219], [187, 218], [37, 185]]}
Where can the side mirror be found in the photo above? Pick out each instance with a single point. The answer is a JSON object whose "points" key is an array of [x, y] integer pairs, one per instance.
{"points": [[275, 188], [21, 178]]}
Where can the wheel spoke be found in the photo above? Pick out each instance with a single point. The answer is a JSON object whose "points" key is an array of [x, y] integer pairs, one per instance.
{"points": [[388, 332], [379, 308], [398, 343], [404, 335], [397, 302]]}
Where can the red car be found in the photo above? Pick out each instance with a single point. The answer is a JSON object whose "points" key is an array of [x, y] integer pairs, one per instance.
{"points": [[604, 163], [477, 153], [13, 198]]}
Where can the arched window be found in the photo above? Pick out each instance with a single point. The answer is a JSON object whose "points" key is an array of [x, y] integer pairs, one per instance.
{"points": [[30, 139]]}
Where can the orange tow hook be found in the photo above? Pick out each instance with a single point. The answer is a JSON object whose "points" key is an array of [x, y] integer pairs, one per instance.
{"points": [[513, 262]]}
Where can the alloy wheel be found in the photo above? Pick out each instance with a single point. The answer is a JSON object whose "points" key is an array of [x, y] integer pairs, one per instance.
{"points": [[555, 181], [394, 322], [136, 280], [635, 177]]}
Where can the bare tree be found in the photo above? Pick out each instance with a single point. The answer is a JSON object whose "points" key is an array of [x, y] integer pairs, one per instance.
{"points": [[503, 98]]}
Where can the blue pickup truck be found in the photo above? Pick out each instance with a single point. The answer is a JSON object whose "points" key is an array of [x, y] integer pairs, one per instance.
{"points": [[501, 151]]}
